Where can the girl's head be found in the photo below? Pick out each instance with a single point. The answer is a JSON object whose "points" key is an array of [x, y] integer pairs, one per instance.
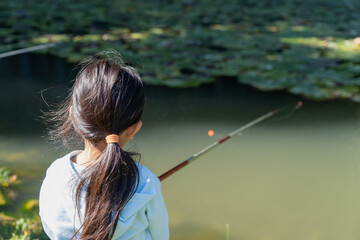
{"points": [[107, 98]]}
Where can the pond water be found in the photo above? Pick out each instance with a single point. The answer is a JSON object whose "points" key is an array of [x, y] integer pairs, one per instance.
{"points": [[294, 176]]}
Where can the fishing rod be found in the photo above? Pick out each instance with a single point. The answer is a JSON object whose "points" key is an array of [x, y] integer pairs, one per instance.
{"points": [[29, 49], [213, 145]]}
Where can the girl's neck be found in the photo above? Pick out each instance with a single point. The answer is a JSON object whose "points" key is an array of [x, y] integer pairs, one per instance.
{"points": [[91, 153]]}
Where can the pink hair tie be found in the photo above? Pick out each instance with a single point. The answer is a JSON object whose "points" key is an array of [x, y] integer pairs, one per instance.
{"points": [[112, 138]]}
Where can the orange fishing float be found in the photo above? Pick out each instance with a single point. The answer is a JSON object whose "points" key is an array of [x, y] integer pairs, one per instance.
{"points": [[211, 133]]}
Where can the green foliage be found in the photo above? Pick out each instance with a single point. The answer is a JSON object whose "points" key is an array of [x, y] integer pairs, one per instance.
{"points": [[7, 181], [28, 226], [21, 229], [30, 208], [306, 47], [4, 176]]}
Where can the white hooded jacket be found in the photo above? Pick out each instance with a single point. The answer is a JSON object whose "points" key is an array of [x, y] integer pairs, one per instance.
{"points": [[144, 217]]}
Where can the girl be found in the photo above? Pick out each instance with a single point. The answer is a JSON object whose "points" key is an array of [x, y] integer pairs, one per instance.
{"points": [[100, 192]]}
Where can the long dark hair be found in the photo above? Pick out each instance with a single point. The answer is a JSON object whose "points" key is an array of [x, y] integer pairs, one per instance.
{"points": [[107, 98]]}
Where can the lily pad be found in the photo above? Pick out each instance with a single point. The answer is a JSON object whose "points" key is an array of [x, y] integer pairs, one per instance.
{"points": [[270, 45]]}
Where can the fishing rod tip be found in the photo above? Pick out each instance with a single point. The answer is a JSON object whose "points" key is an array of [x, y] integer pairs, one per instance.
{"points": [[298, 105]]}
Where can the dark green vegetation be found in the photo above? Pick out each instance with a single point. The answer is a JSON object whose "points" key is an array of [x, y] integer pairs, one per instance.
{"points": [[307, 47], [26, 225], [7, 181]]}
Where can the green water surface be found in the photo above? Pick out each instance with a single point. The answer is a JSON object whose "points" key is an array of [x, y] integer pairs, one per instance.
{"points": [[294, 176]]}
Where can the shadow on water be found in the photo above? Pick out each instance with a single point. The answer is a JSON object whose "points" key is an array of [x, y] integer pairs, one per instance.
{"points": [[29, 82], [25, 80]]}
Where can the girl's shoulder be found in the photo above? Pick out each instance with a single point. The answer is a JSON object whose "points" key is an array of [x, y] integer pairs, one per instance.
{"points": [[148, 190], [61, 165], [145, 172], [146, 177]]}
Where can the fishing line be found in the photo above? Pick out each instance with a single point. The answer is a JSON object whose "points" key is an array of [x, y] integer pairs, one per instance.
{"points": [[286, 115], [239, 130]]}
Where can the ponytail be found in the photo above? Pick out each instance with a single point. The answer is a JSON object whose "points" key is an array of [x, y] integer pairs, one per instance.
{"points": [[110, 183]]}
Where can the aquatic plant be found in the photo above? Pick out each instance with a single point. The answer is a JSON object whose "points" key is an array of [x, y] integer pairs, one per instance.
{"points": [[227, 227], [306, 47]]}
